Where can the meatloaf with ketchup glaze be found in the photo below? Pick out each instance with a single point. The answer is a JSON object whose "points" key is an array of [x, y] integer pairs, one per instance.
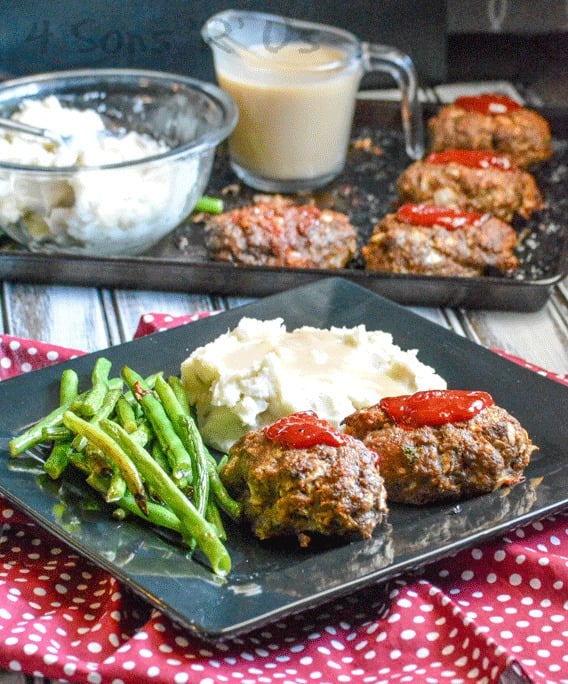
{"points": [[492, 122], [446, 455], [474, 180], [276, 232], [432, 240], [294, 481]]}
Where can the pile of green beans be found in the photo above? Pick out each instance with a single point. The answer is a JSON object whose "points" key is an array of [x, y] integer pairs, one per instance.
{"points": [[138, 445]]}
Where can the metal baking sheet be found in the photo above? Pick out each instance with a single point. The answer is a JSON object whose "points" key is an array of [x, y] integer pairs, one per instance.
{"points": [[366, 192]]}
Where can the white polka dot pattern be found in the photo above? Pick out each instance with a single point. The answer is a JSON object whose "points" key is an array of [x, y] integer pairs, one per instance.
{"points": [[464, 619], [19, 355]]}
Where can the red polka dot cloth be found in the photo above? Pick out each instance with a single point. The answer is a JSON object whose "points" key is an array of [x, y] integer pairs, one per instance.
{"points": [[501, 607]]}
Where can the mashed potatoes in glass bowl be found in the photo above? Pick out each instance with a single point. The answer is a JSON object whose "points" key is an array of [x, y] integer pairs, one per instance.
{"points": [[258, 372], [139, 157]]}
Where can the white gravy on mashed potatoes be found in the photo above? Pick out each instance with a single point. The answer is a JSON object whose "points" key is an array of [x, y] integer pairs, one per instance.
{"points": [[258, 372]]}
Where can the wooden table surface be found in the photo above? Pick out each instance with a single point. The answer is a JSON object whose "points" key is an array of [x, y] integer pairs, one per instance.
{"points": [[92, 319]]}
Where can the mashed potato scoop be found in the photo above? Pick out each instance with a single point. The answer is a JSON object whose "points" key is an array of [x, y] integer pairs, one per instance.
{"points": [[250, 376]]}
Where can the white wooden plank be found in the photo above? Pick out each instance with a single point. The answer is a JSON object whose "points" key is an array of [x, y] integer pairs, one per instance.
{"points": [[561, 294], [130, 305], [114, 331], [66, 316], [234, 302], [2, 299], [540, 337], [434, 315]]}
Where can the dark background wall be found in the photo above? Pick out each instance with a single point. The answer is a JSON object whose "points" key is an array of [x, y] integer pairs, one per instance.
{"points": [[517, 17], [447, 39], [164, 34], [524, 41]]}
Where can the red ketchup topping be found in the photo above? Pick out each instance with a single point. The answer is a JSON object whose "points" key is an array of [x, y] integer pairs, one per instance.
{"points": [[489, 104], [477, 159], [303, 430], [435, 407], [433, 215]]}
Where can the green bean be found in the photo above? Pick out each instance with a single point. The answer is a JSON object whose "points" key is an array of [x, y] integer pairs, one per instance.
{"points": [[96, 461], [58, 459], [194, 444], [225, 501], [159, 457], [34, 434], [149, 381], [187, 431], [116, 488], [194, 525], [56, 433], [112, 452], [177, 415], [140, 448], [214, 517], [69, 386], [157, 514], [209, 205], [108, 405], [169, 399], [120, 514], [175, 383], [174, 450], [203, 456], [143, 433], [105, 409], [126, 415], [80, 461], [205, 474], [93, 398], [222, 462]]}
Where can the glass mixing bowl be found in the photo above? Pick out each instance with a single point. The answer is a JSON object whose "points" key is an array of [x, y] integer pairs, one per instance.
{"points": [[120, 207]]}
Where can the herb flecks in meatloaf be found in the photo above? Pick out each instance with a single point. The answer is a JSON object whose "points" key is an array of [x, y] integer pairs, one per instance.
{"points": [[523, 134], [484, 247], [320, 490], [276, 232], [503, 193], [447, 462]]}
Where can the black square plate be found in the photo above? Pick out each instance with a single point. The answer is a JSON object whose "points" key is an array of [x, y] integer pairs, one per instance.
{"points": [[271, 580]]}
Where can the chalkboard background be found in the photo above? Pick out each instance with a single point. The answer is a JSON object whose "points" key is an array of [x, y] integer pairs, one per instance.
{"points": [[165, 34]]}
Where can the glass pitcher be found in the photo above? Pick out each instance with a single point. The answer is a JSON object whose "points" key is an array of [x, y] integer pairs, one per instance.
{"points": [[295, 84]]}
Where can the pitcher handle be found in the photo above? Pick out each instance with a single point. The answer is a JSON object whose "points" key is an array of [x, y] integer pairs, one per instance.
{"points": [[400, 66]]}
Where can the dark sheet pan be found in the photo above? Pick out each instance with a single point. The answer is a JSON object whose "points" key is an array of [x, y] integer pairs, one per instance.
{"points": [[271, 580], [366, 192]]}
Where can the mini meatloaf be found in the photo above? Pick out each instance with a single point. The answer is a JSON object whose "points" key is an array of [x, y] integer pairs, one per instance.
{"points": [[483, 245], [489, 122], [275, 232], [447, 462], [472, 180], [318, 490]]}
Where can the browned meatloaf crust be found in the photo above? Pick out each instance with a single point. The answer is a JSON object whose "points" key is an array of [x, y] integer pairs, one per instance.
{"points": [[326, 490], [523, 134], [503, 193], [278, 233], [446, 462], [475, 250]]}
